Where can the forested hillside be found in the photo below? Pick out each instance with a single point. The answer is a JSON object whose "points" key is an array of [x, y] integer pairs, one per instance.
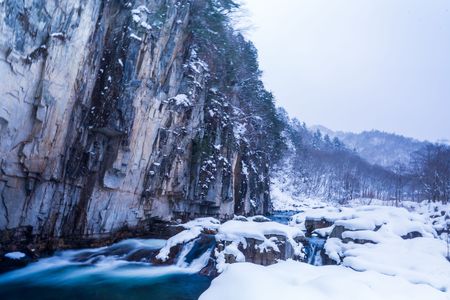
{"points": [[385, 149], [317, 165]]}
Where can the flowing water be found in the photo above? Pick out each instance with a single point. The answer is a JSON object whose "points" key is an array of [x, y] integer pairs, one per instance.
{"points": [[313, 246], [314, 250], [121, 271], [124, 271], [282, 217]]}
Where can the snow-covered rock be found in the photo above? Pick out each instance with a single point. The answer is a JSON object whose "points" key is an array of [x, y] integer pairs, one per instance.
{"points": [[387, 221], [378, 252], [179, 239], [15, 255], [254, 239], [393, 241]]}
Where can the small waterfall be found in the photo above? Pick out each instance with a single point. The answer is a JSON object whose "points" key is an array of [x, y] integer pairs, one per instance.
{"points": [[312, 254], [313, 250], [195, 255], [181, 260]]}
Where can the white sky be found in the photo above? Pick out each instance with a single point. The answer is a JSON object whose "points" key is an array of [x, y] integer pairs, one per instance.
{"points": [[357, 65]]}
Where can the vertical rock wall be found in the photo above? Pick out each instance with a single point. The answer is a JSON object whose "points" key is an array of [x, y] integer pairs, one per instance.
{"points": [[109, 121]]}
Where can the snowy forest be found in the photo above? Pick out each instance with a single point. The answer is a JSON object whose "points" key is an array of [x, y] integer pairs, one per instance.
{"points": [[317, 165]]}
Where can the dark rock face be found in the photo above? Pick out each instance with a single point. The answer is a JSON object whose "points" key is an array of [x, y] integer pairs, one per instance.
{"points": [[412, 235], [268, 257], [264, 257], [113, 120], [312, 224], [337, 232], [327, 261]]}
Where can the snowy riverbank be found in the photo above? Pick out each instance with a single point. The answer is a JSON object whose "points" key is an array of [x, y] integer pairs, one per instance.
{"points": [[382, 252]]}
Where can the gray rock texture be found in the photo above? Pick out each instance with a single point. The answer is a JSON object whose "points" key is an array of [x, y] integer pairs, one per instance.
{"points": [[112, 118]]}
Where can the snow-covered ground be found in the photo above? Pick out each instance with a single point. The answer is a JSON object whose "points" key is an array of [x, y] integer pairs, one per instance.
{"points": [[295, 280], [381, 252]]}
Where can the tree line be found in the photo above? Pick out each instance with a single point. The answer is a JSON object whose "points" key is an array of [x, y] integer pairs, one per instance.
{"points": [[325, 167]]}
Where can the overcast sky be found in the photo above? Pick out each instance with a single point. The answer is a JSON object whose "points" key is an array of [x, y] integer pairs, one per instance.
{"points": [[357, 65]]}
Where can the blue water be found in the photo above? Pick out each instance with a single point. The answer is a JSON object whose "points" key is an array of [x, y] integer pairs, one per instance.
{"points": [[314, 249], [282, 217], [314, 246], [121, 271]]}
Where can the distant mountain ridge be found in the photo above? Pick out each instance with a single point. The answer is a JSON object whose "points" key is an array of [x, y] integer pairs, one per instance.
{"points": [[377, 147]]}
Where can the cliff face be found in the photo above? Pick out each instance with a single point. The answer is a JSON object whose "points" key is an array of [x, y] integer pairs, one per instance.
{"points": [[114, 114]]}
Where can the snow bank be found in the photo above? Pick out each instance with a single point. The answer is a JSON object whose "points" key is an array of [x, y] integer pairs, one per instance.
{"points": [[206, 223], [330, 214], [358, 223], [363, 235], [388, 221], [295, 280], [420, 260], [237, 230]]}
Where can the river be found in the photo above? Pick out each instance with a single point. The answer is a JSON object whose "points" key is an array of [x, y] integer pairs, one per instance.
{"points": [[120, 271]]}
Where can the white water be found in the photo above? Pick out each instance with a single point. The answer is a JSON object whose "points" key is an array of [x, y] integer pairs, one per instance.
{"points": [[197, 264], [113, 262], [314, 252]]}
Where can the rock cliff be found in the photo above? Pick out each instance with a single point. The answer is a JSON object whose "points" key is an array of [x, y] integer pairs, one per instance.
{"points": [[118, 115]]}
